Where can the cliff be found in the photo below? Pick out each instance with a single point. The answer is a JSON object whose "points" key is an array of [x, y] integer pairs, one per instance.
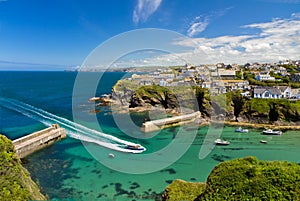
{"points": [[131, 95], [15, 181], [262, 111], [242, 179], [186, 99]]}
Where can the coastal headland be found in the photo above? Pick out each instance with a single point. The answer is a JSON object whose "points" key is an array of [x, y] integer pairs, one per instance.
{"points": [[235, 106]]}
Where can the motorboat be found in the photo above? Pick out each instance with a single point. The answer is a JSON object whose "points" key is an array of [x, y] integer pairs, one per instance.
{"points": [[134, 147], [221, 142], [271, 132], [263, 141], [111, 155], [241, 130]]}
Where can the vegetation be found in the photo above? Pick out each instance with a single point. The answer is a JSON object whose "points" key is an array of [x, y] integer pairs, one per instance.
{"points": [[182, 190], [15, 181], [290, 68], [167, 97], [243, 179], [251, 179], [274, 109]]}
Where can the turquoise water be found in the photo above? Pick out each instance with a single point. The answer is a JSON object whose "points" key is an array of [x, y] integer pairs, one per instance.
{"points": [[69, 169]]}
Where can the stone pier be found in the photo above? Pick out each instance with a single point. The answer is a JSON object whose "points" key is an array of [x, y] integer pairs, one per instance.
{"points": [[158, 124], [30, 143]]}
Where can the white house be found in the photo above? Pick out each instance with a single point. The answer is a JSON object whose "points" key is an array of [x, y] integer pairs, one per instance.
{"points": [[264, 77], [272, 92], [286, 92], [267, 92]]}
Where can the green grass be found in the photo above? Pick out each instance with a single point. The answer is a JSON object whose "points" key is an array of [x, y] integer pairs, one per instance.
{"points": [[251, 179], [182, 190]]}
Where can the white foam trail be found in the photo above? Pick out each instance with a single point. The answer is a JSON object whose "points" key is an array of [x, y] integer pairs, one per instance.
{"points": [[81, 132]]}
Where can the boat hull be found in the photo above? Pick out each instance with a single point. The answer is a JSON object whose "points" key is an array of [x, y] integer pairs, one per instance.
{"points": [[272, 133]]}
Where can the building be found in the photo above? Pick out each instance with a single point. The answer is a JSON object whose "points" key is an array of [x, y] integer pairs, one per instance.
{"points": [[146, 82], [286, 92], [264, 77], [224, 74], [272, 92], [267, 92], [232, 85], [295, 77]]}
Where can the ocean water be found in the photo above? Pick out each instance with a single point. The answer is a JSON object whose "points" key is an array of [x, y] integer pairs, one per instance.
{"points": [[73, 169]]}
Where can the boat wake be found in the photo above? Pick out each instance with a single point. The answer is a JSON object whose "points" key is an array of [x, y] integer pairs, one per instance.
{"points": [[74, 130]]}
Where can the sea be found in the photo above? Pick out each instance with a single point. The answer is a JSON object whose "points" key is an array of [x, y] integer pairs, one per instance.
{"points": [[88, 165]]}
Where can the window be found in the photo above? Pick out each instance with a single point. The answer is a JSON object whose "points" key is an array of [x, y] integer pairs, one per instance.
{"points": [[267, 94]]}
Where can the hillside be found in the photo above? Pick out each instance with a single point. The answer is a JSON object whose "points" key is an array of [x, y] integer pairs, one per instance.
{"points": [[15, 181], [185, 98], [242, 179]]}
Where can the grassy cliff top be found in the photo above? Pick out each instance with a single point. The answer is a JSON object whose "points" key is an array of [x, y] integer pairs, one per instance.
{"points": [[15, 181], [242, 179]]}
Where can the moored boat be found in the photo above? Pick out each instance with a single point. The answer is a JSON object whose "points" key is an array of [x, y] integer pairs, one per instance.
{"points": [[241, 130], [221, 142], [271, 132]]}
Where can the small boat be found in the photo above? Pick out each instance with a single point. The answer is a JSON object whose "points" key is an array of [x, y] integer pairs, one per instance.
{"points": [[241, 130], [271, 132], [263, 141], [221, 142], [134, 147], [111, 155]]}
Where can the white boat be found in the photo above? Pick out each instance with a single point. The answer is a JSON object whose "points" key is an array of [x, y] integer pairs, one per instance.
{"points": [[135, 147], [111, 155], [241, 130], [263, 141], [221, 142], [271, 132]]}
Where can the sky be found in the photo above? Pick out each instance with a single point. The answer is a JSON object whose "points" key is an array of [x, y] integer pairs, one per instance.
{"points": [[60, 34]]}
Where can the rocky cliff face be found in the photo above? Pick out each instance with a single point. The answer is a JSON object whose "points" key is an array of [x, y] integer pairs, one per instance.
{"points": [[153, 96], [146, 96]]}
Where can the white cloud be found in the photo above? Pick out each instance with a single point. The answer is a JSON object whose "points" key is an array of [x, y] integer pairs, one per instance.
{"points": [[200, 23], [275, 40], [278, 39], [144, 9], [197, 26]]}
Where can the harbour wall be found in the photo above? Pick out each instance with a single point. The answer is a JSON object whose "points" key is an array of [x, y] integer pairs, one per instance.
{"points": [[158, 124], [30, 143]]}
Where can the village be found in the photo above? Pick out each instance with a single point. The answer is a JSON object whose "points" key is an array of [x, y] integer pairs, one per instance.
{"points": [[269, 80]]}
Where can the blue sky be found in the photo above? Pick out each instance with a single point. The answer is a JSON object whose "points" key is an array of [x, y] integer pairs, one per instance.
{"points": [[58, 34]]}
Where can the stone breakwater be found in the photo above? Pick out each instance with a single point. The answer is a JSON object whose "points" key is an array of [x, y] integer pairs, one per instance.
{"points": [[30, 143], [155, 125]]}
